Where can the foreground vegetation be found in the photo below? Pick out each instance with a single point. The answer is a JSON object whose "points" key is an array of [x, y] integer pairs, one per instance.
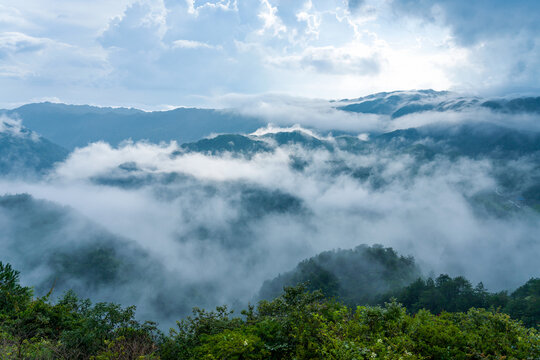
{"points": [[296, 325], [457, 294], [374, 275]]}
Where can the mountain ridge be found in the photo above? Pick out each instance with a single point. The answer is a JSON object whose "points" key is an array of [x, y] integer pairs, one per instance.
{"points": [[73, 126]]}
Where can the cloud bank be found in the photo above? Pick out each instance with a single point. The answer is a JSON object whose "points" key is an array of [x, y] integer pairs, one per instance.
{"points": [[160, 52]]}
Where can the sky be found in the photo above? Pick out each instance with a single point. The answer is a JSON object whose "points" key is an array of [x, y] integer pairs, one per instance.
{"points": [[160, 53]]}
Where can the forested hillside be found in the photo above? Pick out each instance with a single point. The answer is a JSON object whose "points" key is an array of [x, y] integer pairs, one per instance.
{"points": [[457, 294], [376, 275], [296, 325], [356, 276]]}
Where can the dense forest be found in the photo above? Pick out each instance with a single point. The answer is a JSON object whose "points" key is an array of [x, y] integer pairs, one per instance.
{"points": [[374, 275], [457, 294], [298, 324]]}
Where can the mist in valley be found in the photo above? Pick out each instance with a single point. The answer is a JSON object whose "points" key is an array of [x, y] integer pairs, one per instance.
{"points": [[168, 226]]}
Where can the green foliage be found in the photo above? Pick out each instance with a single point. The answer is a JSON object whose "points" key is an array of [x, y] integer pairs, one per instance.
{"points": [[13, 348], [133, 344], [100, 324], [524, 303], [443, 293], [298, 325], [303, 325], [13, 296], [182, 341], [458, 295], [232, 344], [70, 329]]}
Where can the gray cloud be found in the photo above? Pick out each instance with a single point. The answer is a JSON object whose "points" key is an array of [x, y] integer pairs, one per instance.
{"points": [[474, 21], [355, 4]]}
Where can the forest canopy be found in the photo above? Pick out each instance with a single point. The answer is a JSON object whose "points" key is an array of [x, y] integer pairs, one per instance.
{"points": [[298, 324]]}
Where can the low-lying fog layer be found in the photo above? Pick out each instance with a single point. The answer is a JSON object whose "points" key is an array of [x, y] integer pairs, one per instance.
{"points": [[205, 228]]}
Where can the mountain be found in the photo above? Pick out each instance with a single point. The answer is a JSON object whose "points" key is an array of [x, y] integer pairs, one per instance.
{"points": [[59, 248], [78, 125], [64, 246], [480, 139], [74, 126], [235, 143], [467, 139], [249, 145], [355, 276], [300, 138], [400, 103], [31, 224], [524, 105], [23, 152]]}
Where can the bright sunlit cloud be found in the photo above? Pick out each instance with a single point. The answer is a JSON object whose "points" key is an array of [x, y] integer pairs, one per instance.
{"points": [[155, 52]]}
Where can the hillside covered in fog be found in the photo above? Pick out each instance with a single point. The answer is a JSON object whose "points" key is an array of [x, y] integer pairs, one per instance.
{"points": [[191, 207]]}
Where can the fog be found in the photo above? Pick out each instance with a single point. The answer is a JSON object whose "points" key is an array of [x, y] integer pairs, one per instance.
{"points": [[196, 229]]}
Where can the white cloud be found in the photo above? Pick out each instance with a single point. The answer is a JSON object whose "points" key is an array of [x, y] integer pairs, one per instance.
{"points": [[196, 6], [141, 27], [14, 127], [15, 42], [271, 21], [191, 44], [286, 111], [11, 126], [313, 20], [272, 129]]}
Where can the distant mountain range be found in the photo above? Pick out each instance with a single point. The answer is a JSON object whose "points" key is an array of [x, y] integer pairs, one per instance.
{"points": [[72, 126], [401, 103], [64, 127], [424, 143]]}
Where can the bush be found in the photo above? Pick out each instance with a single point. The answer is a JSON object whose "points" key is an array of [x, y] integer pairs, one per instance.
{"points": [[296, 325]]}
